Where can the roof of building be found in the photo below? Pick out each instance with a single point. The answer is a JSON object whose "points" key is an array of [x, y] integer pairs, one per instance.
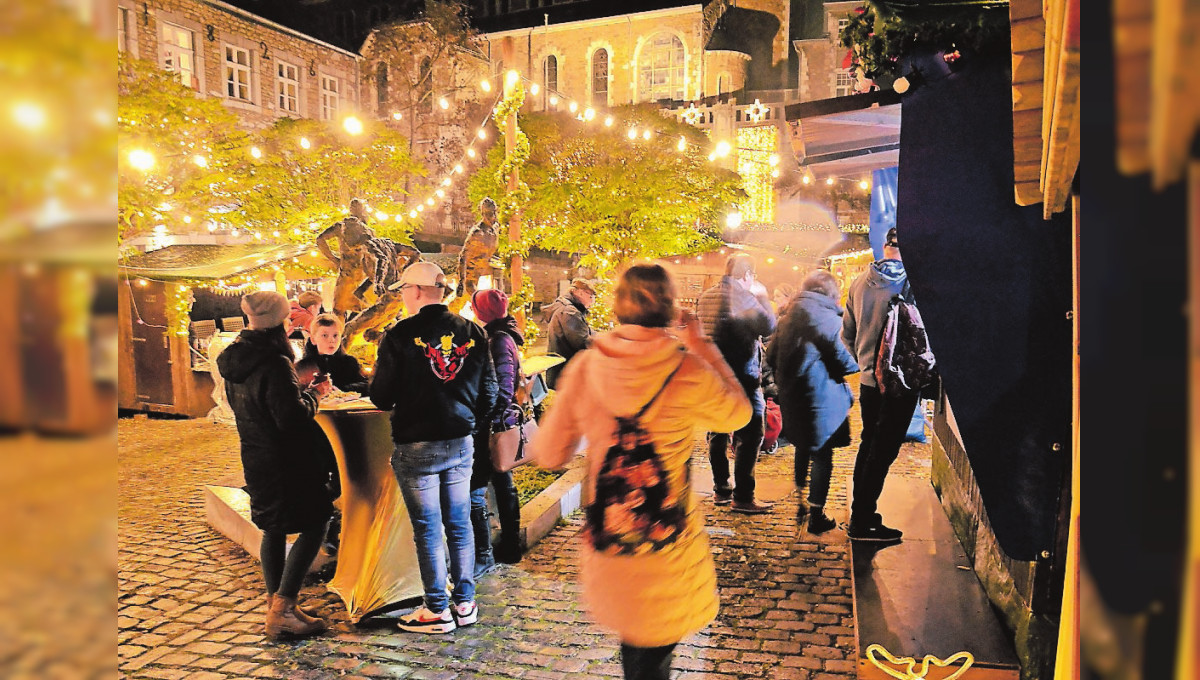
{"points": [[209, 261], [582, 10]]}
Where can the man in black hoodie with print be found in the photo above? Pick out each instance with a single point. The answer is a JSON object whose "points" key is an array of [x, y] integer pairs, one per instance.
{"points": [[435, 372]]}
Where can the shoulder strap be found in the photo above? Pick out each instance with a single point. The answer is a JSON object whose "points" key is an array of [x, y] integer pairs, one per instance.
{"points": [[640, 413]]}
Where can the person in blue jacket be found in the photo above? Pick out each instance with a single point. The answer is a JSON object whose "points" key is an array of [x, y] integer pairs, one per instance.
{"points": [[811, 364]]}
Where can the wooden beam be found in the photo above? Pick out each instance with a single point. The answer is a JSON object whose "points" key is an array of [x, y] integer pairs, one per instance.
{"points": [[1174, 89], [1132, 37]]}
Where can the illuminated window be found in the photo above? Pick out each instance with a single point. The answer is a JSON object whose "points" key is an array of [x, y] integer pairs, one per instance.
{"points": [[600, 77], [178, 53], [287, 85], [660, 69], [330, 99], [843, 83], [550, 79], [237, 73]]}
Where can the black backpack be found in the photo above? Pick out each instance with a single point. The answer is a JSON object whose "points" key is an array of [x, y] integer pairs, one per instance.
{"points": [[904, 364], [634, 510]]}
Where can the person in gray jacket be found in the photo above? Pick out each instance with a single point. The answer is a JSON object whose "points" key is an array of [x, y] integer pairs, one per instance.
{"points": [[885, 416], [569, 332]]}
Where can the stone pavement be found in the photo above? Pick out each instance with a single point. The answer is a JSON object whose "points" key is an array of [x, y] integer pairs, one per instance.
{"points": [[190, 603]]}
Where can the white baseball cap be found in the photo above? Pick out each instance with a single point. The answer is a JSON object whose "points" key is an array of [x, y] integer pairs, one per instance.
{"points": [[421, 273]]}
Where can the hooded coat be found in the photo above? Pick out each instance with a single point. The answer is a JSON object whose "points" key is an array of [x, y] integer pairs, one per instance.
{"points": [[285, 466], [656, 598], [567, 334], [810, 365], [866, 310]]}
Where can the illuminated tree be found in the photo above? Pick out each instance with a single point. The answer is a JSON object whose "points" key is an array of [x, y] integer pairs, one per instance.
{"points": [[610, 194]]}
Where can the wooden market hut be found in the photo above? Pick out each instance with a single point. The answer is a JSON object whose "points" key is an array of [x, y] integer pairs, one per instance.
{"points": [[172, 300], [57, 306]]}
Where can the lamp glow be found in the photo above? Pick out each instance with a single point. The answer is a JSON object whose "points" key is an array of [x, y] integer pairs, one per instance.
{"points": [[733, 220], [396, 115], [864, 185], [682, 145], [458, 168], [353, 125], [443, 103], [511, 78], [572, 107], [381, 216], [632, 133], [141, 159], [829, 181], [256, 152], [482, 133], [470, 153], [29, 116], [723, 149], [534, 89], [608, 121], [304, 143], [200, 161], [486, 85]]}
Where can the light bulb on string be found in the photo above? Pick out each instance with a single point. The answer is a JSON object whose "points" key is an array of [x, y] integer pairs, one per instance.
{"points": [[512, 78], [304, 143], [633, 133], [482, 133], [458, 168], [534, 89], [200, 161], [553, 100], [256, 152], [353, 125], [829, 181], [275, 233], [646, 134], [381, 216], [396, 115], [141, 159], [722, 149], [446, 182], [864, 185], [589, 113], [429, 202], [443, 103], [486, 85], [187, 219], [421, 207], [682, 145], [572, 107], [412, 213], [807, 179], [608, 121], [440, 193], [470, 152]]}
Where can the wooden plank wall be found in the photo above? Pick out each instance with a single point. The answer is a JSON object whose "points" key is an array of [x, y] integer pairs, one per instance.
{"points": [[1028, 59]]}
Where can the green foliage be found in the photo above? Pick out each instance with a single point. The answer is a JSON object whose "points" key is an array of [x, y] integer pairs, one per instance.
{"points": [[610, 199], [157, 114], [288, 189], [885, 32], [532, 480]]}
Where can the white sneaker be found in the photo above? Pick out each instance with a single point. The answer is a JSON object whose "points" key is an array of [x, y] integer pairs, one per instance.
{"points": [[466, 613], [421, 620]]}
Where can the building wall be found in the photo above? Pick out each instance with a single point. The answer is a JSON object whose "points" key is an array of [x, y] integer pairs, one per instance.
{"points": [[214, 25], [625, 37]]}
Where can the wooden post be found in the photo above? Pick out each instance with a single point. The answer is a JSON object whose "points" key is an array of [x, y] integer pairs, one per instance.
{"points": [[514, 220]]}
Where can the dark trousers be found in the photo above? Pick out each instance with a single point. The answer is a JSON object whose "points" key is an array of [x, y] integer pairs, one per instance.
{"points": [[885, 421], [746, 443], [646, 663]]}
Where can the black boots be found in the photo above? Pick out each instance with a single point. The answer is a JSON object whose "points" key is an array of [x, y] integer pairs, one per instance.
{"points": [[818, 521], [484, 560]]}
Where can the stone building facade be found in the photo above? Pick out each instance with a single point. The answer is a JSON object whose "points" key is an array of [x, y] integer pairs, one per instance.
{"points": [[259, 69]]}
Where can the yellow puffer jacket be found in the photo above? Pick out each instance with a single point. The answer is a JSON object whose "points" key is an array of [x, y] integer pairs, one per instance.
{"points": [[657, 598]]}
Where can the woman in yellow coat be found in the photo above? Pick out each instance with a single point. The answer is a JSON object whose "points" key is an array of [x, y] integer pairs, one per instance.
{"points": [[647, 567]]}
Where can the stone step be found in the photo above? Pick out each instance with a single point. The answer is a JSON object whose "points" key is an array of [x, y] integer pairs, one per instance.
{"points": [[227, 510]]}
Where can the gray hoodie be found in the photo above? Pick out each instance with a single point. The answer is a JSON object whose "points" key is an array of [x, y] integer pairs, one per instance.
{"points": [[866, 310]]}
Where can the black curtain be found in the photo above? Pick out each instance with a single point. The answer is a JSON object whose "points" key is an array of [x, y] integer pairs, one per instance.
{"points": [[993, 282]]}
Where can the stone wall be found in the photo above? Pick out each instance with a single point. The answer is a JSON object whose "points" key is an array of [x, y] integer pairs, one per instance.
{"points": [[213, 27]]}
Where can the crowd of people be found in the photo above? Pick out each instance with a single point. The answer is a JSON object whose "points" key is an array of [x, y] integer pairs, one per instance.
{"points": [[630, 399]]}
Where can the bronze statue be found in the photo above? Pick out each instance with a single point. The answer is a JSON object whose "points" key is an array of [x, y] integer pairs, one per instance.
{"points": [[479, 249]]}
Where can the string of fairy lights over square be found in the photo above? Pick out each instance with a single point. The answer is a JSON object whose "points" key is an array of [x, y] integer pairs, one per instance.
{"points": [[144, 160]]}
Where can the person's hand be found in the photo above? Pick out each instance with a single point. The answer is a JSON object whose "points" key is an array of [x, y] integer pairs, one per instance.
{"points": [[690, 332], [322, 385]]}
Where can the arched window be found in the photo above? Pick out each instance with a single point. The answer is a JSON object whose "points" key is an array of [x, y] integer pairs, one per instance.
{"points": [[549, 79], [722, 84], [381, 89], [425, 86], [600, 77], [660, 69]]}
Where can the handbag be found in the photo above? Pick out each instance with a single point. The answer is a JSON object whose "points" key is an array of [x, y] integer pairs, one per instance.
{"points": [[510, 448]]}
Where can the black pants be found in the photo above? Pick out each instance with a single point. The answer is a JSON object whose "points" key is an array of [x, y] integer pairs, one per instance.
{"points": [[746, 443], [646, 663], [885, 422]]}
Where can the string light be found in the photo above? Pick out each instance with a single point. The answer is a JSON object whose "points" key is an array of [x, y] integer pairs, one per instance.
{"points": [[482, 133], [572, 107], [829, 181], [682, 145], [457, 169], [200, 161], [646, 134], [381, 216], [396, 115], [723, 149], [534, 89], [412, 214], [633, 133], [471, 152], [187, 219], [512, 78], [443, 103], [807, 179], [864, 185], [553, 100], [141, 159], [608, 121], [352, 125], [275, 233], [256, 152], [446, 182], [485, 85], [304, 143], [589, 113], [29, 116]]}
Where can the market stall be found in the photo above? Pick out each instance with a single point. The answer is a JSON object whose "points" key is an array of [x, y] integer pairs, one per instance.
{"points": [[175, 301]]}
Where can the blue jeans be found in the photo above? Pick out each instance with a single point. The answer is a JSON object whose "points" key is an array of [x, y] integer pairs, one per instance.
{"points": [[434, 478]]}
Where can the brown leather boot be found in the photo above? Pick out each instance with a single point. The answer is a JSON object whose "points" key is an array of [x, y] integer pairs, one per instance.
{"points": [[305, 614], [282, 619]]}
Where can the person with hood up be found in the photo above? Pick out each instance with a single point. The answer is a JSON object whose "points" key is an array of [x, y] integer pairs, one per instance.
{"points": [[885, 417], [810, 365], [569, 332], [491, 308], [660, 594], [285, 469]]}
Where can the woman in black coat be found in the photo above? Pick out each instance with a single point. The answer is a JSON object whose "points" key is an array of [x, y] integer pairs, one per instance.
{"points": [[811, 364], [286, 471], [491, 308]]}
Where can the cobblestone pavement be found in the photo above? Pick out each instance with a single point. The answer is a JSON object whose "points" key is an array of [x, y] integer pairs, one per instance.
{"points": [[190, 603]]}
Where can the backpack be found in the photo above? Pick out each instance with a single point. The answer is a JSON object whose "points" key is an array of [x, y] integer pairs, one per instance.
{"points": [[633, 510], [904, 363]]}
